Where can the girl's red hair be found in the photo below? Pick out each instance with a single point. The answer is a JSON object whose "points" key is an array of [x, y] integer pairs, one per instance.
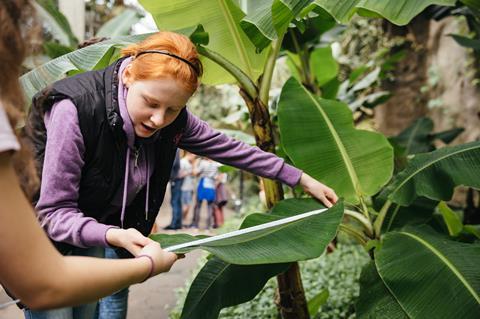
{"points": [[156, 66]]}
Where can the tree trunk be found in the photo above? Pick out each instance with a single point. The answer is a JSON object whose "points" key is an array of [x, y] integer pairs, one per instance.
{"points": [[292, 303], [407, 102]]}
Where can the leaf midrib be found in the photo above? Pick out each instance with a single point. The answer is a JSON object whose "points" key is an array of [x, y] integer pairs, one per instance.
{"points": [[212, 282], [446, 261], [343, 152], [429, 164], [236, 36]]}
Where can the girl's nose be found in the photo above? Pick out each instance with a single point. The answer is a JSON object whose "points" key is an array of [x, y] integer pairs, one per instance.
{"points": [[157, 118]]}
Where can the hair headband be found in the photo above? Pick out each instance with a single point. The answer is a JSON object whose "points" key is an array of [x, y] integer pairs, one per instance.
{"points": [[171, 55]]}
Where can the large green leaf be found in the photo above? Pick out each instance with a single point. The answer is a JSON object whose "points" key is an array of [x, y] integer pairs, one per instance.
{"points": [[418, 137], [267, 19], [92, 57], [399, 12], [375, 301], [323, 65], [429, 275], [220, 284], [434, 175], [120, 25], [221, 19], [55, 21], [319, 136], [307, 238]]}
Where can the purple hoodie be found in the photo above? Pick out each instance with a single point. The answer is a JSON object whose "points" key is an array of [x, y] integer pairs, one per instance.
{"points": [[57, 207]]}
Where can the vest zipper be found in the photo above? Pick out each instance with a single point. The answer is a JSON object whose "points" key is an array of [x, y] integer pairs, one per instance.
{"points": [[136, 154]]}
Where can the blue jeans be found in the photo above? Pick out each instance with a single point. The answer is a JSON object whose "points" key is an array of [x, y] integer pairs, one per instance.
{"points": [[113, 306], [79, 312], [176, 202]]}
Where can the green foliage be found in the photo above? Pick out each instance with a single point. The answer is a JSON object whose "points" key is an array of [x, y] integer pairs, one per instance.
{"points": [[221, 19], [308, 236], [337, 273], [429, 275], [119, 25], [434, 175], [319, 136]]}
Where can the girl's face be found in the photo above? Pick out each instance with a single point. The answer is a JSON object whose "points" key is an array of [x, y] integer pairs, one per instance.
{"points": [[153, 104]]}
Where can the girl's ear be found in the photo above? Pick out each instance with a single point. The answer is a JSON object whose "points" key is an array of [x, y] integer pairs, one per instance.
{"points": [[127, 77]]}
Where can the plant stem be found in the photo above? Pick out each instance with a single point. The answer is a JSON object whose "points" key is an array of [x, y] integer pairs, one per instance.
{"points": [[244, 80], [377, 225], [353, 232], [362, 219], [267, 75]]}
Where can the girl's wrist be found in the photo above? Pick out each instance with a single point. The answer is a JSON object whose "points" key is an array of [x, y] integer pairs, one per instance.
{"points": [[151, 269]]}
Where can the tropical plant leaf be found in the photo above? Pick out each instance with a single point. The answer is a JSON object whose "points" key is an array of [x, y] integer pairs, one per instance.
{"points": [[429, 275], [451, 219], [448, 135], [308, 238], [221, 19], [416, 137], [92, 57], [323, 65], [399, 12], [220, 284], [57, 23], [54, 49], [317, 301], [269, 18], [466, 42], [434, 175], [375, 300], [119, 25], [319, 136], [212, 288], [420, 211]]}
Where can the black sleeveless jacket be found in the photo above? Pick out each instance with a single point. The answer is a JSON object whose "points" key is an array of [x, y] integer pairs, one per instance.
{"points": [[95, 94]]}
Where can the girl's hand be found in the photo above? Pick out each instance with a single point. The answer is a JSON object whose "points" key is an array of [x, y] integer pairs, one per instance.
{"points": [[318, 190], [130, 239], [162, 260]]}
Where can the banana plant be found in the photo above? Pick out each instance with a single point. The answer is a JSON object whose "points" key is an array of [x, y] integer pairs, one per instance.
{"points": [[410, 264], [249, 44]]}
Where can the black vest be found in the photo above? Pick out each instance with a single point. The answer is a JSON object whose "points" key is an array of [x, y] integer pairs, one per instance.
{"points": [[95, 94]]}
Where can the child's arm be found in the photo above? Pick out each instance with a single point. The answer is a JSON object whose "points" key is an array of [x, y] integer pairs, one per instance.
{"points": [[57, 207], [33, 270], [201, 139]]}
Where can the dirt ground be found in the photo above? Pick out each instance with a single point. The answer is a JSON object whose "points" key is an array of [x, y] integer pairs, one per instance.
{"points": [[154, 298]]}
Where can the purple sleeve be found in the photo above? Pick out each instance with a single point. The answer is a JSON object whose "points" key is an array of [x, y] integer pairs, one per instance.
{"points": [[57, 207], [199, 138]]}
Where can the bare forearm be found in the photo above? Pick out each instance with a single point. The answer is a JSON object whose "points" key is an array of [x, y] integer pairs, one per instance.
{"points": [[88, 279]]}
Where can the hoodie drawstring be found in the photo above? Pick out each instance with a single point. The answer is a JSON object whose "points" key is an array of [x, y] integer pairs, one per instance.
{"points": [[125, 186], [148, 185]]}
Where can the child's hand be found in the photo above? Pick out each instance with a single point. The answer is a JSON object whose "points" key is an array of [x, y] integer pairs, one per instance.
{"points": [[130, 239], [163, 260], [318, 190]]}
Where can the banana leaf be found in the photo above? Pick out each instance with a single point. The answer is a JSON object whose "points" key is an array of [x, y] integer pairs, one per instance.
{"points": [[307, 238], [375, 300], [399, 12], [120, 25], [221, 19], [92, 57], [435, 175], [429, 275], [319, 136], [55, 21], [212, 288], [269, 18], [220, 284]]}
